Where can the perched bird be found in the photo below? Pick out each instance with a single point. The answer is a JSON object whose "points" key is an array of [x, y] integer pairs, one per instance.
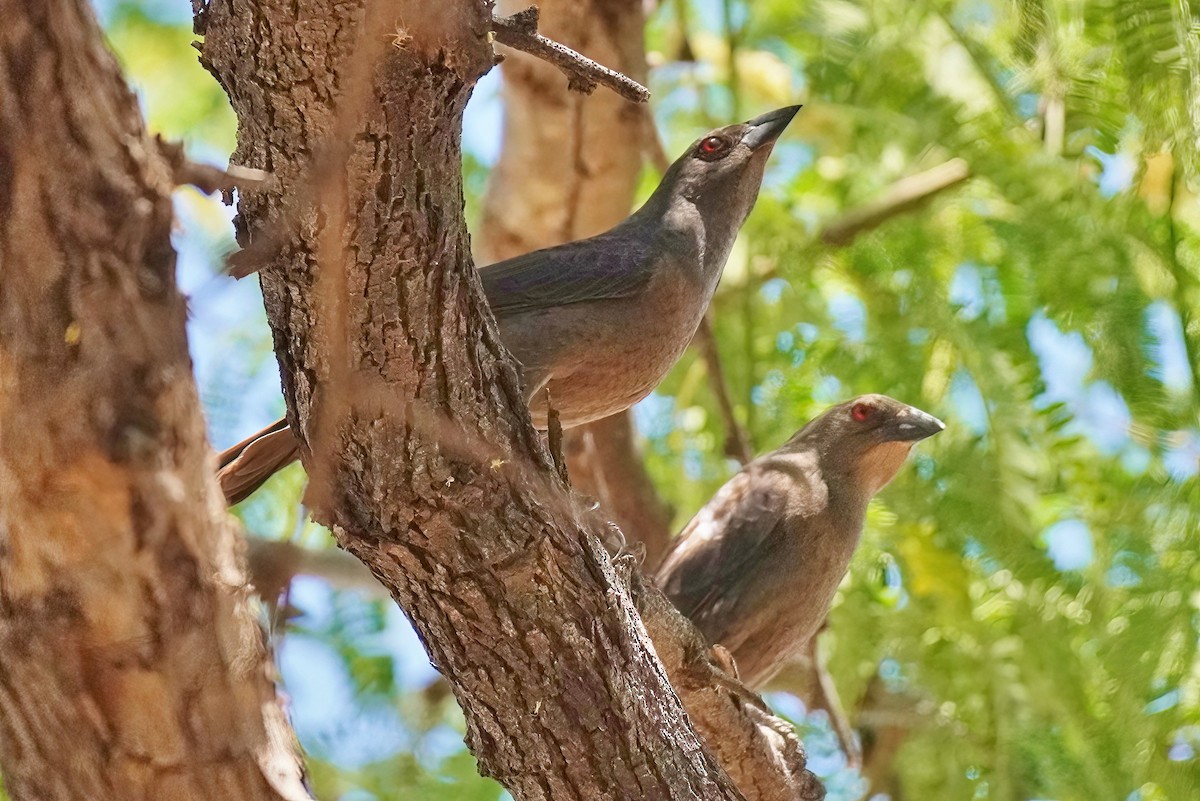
{"points": [[757, 568], [599, 322]]}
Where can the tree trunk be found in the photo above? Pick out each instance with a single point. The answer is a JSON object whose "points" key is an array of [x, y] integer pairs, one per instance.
{"points": [[568, 170], [412, 425], [132, 667]]}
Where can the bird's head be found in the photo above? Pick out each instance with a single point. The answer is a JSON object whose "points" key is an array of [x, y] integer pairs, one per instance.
{"points": [[720, 173], [866, 439]]}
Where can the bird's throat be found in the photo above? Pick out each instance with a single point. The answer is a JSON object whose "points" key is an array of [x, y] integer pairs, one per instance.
{"points": [[880, 464]]}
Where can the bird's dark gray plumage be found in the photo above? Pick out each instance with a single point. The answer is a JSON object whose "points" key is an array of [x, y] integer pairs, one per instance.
{"points": [[600, 321], [757, 568]]}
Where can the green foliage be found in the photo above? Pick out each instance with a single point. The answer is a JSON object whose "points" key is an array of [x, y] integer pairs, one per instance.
{"points": [[405, 776], [1027, 680], [181, 100], [1031, 307]]}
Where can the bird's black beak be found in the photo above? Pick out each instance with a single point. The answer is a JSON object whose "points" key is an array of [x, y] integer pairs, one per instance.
{"points": [[766, 129], [912, 425]]}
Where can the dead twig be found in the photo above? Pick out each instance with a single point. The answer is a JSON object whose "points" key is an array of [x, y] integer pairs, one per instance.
{"points": [[206, 177], [583, 75], [825, 696]]}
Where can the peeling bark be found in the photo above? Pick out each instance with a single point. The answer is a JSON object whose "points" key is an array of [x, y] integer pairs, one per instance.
{"points": [[133, 666]]}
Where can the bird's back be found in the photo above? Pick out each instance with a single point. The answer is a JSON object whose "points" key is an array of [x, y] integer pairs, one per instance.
{"points": [[758, 566]]}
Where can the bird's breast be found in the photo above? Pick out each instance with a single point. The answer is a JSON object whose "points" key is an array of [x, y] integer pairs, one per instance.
{"points": [[615, 352]]}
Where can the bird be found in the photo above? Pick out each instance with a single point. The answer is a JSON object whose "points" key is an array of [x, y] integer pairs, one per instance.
{"points": [[597, 323], [756, 569]]}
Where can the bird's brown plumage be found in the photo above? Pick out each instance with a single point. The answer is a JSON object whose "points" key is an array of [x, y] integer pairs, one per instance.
{"points": [[757, 568]]}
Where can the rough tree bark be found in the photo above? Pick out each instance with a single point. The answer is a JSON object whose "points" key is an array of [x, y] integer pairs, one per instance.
{"points": [[132, 667], [568, 170], [412, 426], [413, 429]]}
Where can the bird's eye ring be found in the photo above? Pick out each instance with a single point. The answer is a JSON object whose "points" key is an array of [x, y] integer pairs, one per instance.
{"points": [[861, 411], [712, 145]]}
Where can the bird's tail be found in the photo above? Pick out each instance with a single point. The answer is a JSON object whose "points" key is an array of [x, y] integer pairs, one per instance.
{"points": [[244, 468]]}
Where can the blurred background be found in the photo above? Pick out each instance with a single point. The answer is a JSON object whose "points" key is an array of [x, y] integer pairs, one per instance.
{"points": [[986, 209]]}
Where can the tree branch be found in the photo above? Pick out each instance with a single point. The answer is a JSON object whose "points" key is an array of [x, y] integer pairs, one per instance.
{"points": [[887, 720], [205, 177], [904, 195], [415, 433], [520, 33], [274, 563], [737, 441], [761, 752]]}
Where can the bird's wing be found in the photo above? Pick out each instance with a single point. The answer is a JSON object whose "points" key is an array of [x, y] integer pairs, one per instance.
{"points": [[601, 268], [718, 550]]}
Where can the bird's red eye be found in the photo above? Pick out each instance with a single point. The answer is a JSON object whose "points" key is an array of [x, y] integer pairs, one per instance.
{"points": [[712, 144], [861, 411]]}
